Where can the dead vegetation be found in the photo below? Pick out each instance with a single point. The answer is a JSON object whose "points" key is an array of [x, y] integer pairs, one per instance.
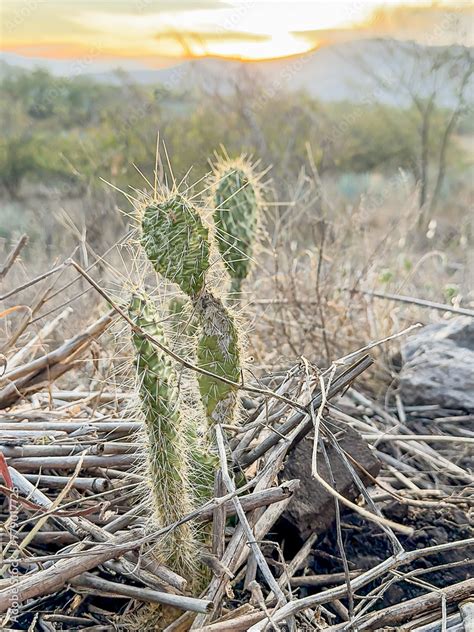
{"points": [[77, 548]]}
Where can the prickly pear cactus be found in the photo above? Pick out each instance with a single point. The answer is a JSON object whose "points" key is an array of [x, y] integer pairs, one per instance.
{"points": [[218, 352], [183, 319], [204, 465], [167, 433], [177, 242], [236, 203]]}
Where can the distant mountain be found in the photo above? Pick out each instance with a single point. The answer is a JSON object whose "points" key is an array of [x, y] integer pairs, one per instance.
{"points": [[68, 67], [359, 70]]}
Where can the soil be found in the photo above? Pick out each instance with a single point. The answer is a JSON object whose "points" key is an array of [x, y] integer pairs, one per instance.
{"points": [[366, 546]]}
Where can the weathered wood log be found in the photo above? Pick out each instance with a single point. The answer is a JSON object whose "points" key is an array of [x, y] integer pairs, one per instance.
{"points": [[49, 580], [322, 580], [239, 624], [406, 610], [29, 464], [59, 450], [54, 537], [255, 500], [114, 589], [119, 426], [97, 485], [43, 370]]}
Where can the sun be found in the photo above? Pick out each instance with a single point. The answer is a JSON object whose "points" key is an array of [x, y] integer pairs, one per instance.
{"points": [[268, 47], [268, 29], [242, 29], [160, 33]]}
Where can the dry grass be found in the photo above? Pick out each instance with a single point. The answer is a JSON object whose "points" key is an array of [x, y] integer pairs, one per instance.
{"points": [[316, 261], [304, 308]]}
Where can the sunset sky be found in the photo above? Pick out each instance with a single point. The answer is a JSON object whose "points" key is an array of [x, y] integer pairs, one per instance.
{"points": [[157, 33]]}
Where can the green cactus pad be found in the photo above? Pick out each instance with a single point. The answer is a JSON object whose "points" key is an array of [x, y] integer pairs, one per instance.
{"points": [[205, 463], [177, 243], [183, 319], [236, 218], [218, 352], [167, 447]]}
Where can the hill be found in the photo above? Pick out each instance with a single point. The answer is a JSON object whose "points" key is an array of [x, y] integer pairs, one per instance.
{"points": [[349, 71]]}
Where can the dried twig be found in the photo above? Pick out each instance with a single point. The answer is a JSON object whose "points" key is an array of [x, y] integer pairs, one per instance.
{"points": [[12, 257]]}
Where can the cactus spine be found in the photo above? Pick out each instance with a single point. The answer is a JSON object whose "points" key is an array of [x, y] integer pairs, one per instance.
{"points": [[183, 320], [181, 464], [236, 198], [178, 245], [168, 451]]}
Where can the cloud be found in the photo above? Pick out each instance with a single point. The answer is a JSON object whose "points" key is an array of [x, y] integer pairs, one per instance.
{"points": [[249, 29], [435, 25]]}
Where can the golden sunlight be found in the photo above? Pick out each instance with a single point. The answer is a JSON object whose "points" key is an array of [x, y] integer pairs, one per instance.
{"points": [[160, 31], [257, 30]]}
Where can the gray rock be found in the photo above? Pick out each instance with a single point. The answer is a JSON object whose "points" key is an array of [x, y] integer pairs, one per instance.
{"points": [[438, 365], [312, 508]]}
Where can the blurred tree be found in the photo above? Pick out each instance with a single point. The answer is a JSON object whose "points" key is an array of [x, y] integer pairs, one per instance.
{"points": [[436, 90], [77, 130]]}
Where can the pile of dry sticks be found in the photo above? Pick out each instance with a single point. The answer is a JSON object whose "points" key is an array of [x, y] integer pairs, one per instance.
{"points": [[76, 543]]}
